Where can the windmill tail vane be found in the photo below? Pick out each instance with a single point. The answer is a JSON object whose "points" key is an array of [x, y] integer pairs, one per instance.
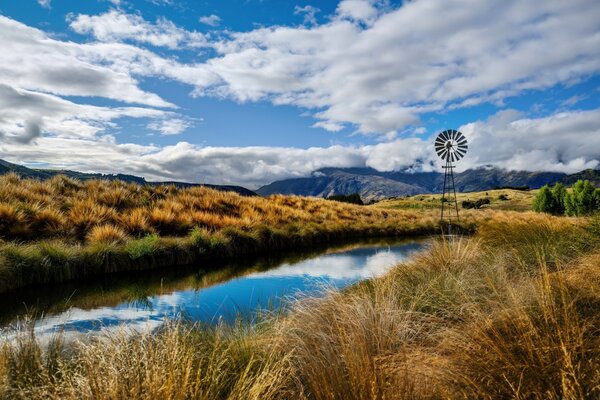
{"points": [[450, 146]]}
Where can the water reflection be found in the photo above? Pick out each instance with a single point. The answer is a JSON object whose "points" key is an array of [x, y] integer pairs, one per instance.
{"points": [[142, 301]]}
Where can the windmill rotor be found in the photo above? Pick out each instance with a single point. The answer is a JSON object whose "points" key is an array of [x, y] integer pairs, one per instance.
{"points": [[451, 145]]}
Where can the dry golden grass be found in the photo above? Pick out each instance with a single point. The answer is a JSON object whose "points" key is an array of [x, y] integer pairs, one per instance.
{"points": [[468, 318], [106, 223]]}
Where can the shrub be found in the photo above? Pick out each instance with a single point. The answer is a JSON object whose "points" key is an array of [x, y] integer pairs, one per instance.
{"points": [[353, 198], [583, 200], [467, 204], [503, 197], [559, 194], [544, 201]]}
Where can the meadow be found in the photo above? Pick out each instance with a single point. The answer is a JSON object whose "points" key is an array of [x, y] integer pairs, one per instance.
{"points": [[509, 312], [499, 199], [61, 229]]}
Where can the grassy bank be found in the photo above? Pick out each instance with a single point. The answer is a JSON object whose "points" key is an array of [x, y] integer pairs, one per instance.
{"points": [[512, 312], [63, 229]]}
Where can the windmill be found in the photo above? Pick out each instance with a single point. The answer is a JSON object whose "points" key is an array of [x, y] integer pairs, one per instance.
{"points": [[451, 146]]}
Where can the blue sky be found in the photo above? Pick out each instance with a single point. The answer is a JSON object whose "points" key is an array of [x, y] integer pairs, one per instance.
{"points": [[247, 92]]}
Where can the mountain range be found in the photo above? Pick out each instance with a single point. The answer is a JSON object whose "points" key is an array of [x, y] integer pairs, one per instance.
{"points": [[374, 185], [370, 184]]}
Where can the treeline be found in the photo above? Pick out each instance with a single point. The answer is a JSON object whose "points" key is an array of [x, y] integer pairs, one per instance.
{"points": [[583, 199]]}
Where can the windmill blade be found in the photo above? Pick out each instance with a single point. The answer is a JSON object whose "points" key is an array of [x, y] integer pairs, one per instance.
{"points": [[445, 135]]}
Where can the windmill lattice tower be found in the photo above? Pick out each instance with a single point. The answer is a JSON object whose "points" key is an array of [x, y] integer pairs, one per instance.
{"points": [[451, 146]]}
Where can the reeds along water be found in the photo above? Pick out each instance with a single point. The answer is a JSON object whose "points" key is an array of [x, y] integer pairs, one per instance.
{"points": [[75, 229], [478, 317]]}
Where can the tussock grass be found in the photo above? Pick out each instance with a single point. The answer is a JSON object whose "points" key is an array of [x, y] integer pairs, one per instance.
{"points": [[475, 317], [106, 223]]}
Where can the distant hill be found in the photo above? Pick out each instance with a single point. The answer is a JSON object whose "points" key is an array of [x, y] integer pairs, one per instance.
{"points": [[25, 172], [372, 185]]}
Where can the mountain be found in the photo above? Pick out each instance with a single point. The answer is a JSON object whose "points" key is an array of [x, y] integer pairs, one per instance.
{"points": [[25, 172], [372, 185]]}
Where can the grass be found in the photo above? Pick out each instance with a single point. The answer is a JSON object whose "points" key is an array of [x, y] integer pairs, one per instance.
{"points": [[480, 317], [106, 226], [500, 199]]}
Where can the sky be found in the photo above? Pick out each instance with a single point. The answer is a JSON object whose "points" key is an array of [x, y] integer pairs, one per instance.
{"points": [[248, 92]]}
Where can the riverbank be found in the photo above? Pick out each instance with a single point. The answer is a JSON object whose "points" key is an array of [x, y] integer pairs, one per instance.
{"points": [[62, 229], [512, 311]]}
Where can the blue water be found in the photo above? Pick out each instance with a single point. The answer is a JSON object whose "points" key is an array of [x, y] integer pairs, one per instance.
{"points": [[242, 295]]}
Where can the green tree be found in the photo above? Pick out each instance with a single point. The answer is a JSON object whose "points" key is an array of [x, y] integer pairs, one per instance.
{"points": [[584, 199], [559, 193], [544, 200]]}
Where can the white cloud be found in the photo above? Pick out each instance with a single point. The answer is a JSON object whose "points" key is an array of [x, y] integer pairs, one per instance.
{"points": [[308, 12], [211, 20], [171, 126], [358, 10], [45, 3], [31, 60], [566, 142], [115, 25], [381, 69]]}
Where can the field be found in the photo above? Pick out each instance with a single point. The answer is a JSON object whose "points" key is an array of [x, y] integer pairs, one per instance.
{"points": [[510, 312], [500, 199], [61, 229]]}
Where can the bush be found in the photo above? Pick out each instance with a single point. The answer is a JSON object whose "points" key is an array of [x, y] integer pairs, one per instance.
{"points": [[544, 201], [503, 197], [467, 204], [353, 198], [584, 199]]}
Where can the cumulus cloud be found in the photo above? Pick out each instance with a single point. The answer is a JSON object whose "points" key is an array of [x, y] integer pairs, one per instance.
{"points": [[32, 60], [116, 25], [566, 142], [172, 126], [563, 142], [381, 69], [211, 20]]}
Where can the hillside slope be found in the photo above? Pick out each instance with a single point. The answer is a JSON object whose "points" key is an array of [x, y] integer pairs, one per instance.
{"points": [[42, 174], [375, 185]]}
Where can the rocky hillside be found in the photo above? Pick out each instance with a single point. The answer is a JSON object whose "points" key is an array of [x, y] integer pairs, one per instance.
{"points": [[374, 185]]}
